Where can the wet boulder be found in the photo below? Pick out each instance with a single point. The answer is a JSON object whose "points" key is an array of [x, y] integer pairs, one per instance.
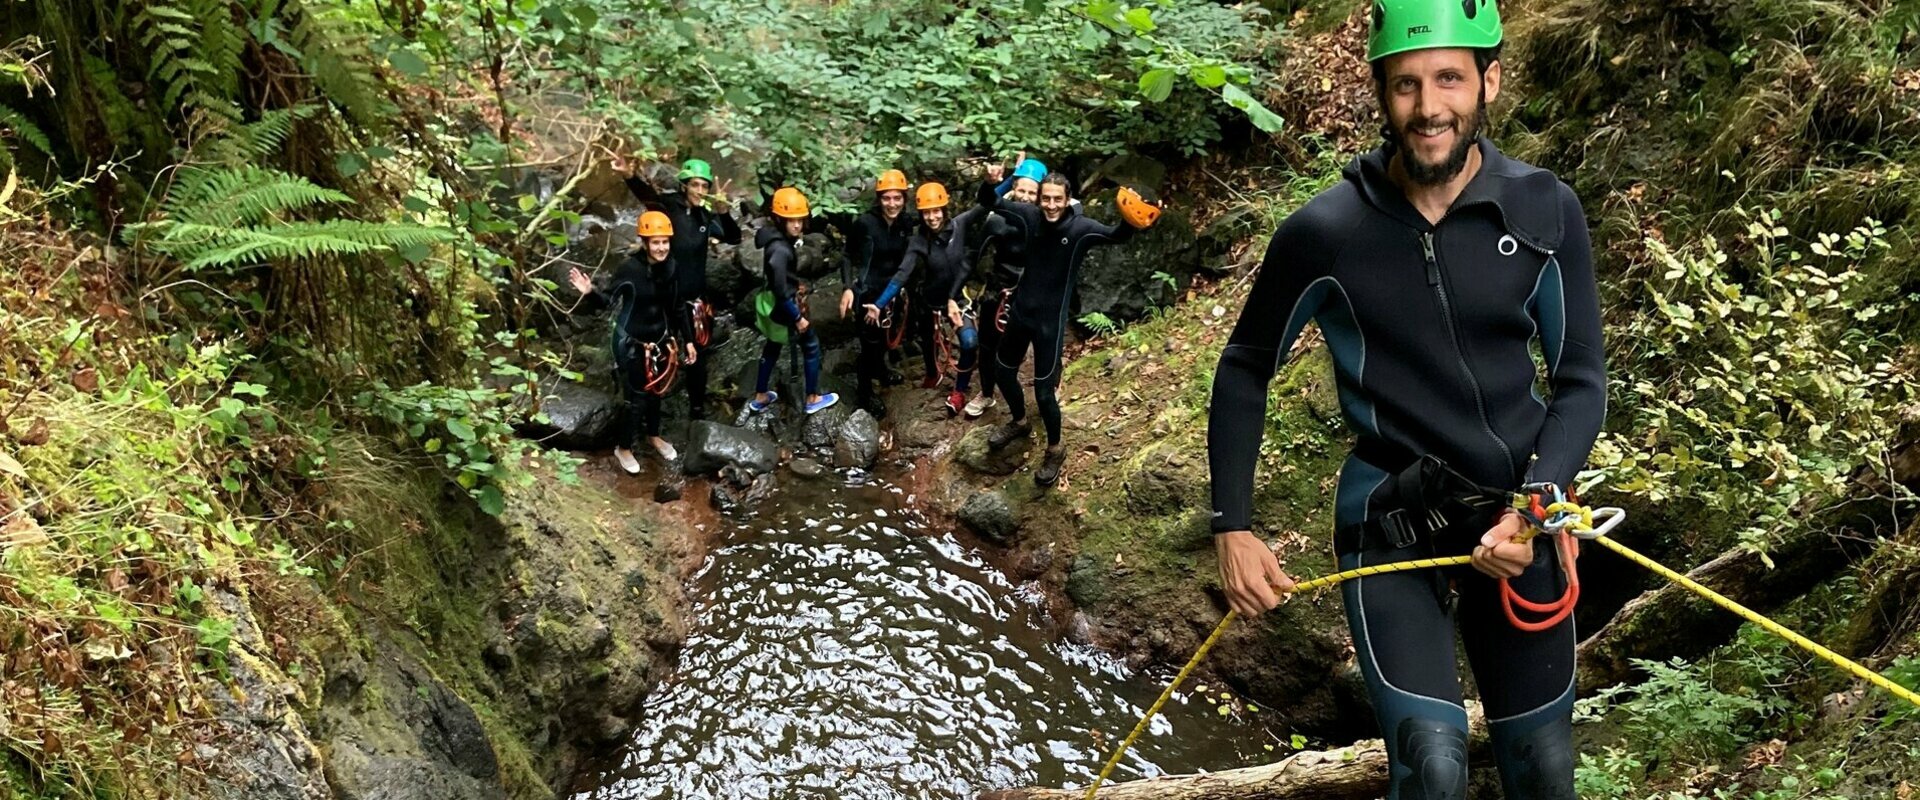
{"points": [[990, 515], [974, 454], [858, 442], [823, 429], [577, 417], [712, 446]]}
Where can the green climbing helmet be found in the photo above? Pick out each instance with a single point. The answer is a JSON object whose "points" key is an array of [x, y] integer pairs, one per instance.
{"points": [[1402, 25], [695, 168]]}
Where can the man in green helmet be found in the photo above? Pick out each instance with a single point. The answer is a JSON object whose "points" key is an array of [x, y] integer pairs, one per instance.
{"points": [[1433, 270], [700, 213]]}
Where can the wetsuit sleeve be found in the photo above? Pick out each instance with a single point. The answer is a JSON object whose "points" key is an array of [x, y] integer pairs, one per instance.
{"points": [[778, 263], [679, 312], [1566, 308], [1024, 217], [642, 191], [1102, 233], [729, 230], [916, 251], [963, 225], [594, 301], [1276, 310]]}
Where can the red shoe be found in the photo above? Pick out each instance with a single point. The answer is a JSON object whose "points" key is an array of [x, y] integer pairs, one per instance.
{"points": [[955, 402], [930, 382]]}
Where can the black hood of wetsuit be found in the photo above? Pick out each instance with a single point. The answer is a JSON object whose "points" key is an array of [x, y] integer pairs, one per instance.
{"points": [[779, 262], [1431, 327]]}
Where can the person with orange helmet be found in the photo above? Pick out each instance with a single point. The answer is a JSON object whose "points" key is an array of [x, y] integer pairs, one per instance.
{"points": [[876, 242], [781, 311], [701, 213], [1057, 237], [649, 333], [941, 243]]}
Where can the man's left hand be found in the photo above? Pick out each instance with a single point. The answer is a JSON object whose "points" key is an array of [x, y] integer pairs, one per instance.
{"points": [[1498, 554]]}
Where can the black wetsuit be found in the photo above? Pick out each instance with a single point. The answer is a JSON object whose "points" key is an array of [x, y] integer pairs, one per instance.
{"points": [[1431, 329], [1009, 260], [784, 282], [1053, 252], [948, 261], [649, 313], [875, 248], [692, 227]]}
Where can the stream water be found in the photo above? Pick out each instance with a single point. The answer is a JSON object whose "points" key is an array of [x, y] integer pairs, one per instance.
{"points": [[842, 649]]}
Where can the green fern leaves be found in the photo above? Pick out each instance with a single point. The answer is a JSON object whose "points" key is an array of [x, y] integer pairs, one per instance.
{"points": [[235, 216]]}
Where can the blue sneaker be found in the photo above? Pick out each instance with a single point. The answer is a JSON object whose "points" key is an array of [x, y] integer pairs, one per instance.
{"points": [[824, 402], [757, 406]]}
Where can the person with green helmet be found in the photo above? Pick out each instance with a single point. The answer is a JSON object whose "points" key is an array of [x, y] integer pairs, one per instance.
{"points": [[1433, 270], [700, 213]]}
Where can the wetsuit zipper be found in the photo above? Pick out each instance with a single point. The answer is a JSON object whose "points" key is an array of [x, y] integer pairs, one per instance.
{"points": [[1446, 312]]}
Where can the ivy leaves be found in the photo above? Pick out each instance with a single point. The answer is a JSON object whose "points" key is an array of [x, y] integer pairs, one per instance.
{"points": [[1172, 61]]}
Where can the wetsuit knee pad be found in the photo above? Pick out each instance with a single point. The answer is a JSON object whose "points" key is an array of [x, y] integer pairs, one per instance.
{"points": [[1535, 753], [969, 339], [1432, 761]]}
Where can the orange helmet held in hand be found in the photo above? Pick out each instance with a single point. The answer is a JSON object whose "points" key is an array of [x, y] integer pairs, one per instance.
{"points": [[930, 195], [1137, 210], [789, 203], [892, 180], [654, 223]]}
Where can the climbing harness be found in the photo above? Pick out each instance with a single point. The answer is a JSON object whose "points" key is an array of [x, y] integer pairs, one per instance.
{"points": [[1547, 510], [702, 322], [893, 320], [659, 365]]}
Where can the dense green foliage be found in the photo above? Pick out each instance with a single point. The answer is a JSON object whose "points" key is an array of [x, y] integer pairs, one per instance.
{"points": [[248, 236], [824, 96]]}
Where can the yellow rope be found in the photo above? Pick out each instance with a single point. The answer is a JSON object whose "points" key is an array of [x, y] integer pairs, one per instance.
{"points": [[1761, 620], [1298, 588], [1583, 522]]}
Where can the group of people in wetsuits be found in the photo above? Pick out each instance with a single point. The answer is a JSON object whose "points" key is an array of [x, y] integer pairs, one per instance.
{"points": [[906, 272]]}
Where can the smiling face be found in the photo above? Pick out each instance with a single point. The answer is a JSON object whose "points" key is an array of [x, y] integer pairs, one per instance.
{"points": [[658, 248], [891, 202], [1025, 190], [934, 217], [696, 189], [1053, 201], [1435, 102]]}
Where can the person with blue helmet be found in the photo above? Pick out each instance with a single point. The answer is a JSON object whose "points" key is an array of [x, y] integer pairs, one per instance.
{"points": [[1436, 270], [1056, 239], [993, 308]]}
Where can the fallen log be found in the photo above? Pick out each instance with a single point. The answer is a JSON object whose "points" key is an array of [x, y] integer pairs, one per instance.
{"points": [[1358, 772], [1355, 772]]}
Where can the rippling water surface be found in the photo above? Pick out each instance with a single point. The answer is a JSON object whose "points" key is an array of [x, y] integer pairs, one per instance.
{"points": [[843, 650]]}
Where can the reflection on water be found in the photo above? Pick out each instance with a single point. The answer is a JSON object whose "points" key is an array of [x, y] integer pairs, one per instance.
{"points": [[841, 650]]}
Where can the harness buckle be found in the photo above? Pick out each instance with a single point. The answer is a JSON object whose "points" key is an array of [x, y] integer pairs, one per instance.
{"points": [[1397, 529]]}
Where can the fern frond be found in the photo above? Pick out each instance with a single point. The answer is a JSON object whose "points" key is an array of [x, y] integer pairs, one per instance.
{"points": [[194, 49], [335, 53], [299, 241], [242, 195], [26, 130]]}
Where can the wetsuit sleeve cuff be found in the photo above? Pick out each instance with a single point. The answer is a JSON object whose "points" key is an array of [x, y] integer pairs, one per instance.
{"points": [[886, 296]]}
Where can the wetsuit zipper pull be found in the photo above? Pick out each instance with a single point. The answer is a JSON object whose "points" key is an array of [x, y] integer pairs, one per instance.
{"points": [[1433, 265]]}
